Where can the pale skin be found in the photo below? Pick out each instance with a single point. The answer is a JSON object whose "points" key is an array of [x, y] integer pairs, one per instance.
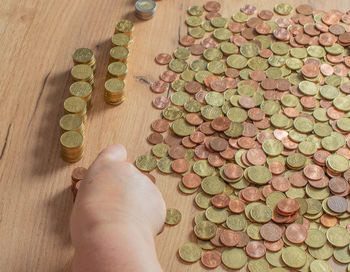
{"points": [[116, 215]]}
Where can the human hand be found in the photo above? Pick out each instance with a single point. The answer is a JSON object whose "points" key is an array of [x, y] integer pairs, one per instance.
{"points": [[116, 215]]}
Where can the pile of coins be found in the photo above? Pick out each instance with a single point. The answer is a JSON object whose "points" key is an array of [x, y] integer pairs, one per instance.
{"points": [[145, 9], [72, 124], [256, 124], [117, 69], [78, 175]]}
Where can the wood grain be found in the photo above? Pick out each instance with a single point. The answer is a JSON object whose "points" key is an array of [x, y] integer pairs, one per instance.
{"points": [[37, 40]]}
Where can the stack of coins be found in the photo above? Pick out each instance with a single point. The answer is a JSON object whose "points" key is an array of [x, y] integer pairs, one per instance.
{"points": [[78, 174], [145, 9], [72, 146], [83, 72], [117, 69], [72, 122], [84, 56], [75, 105], [83, 90]]}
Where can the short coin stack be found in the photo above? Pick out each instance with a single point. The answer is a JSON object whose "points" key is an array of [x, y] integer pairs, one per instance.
{"points": [[72, 124], [78, 174], [145, 9], [117, 69], [257, 125]]}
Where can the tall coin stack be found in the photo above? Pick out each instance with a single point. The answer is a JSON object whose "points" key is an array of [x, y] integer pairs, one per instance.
{"points": [[72, 124], [117, 69], [145, 9]]}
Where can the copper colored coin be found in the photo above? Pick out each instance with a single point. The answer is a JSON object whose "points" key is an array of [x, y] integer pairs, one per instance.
{"points": [[233, 171], [160, 102], [78, 173], [201, 152], [194, 119], [180, 166], [212, 14], [246, 142], [229, 238], [212, 6], [327, 39], [274, 246], [235, 27], [276, 168], [337, 204], [320, 157], [338, 185], [265, 15], [267, 189], [251, 194], [209, 43], [313, 172], [230, 83], [248, 9], [291, 112], [256, 114], [263, 29], [244, 239], [186, 142], [218, 85], [218, 144], [257, 75], [197, 49], [320, 184], [328, 220], [278, 218], [280, 183], [271, 232], [256, 156], [197, 137], [211, 259], [193, 87], [155, 138], [311, 30], [326, 69], [334, 113], [297, 179], [335, 59], [321, 27], [228, 154], [302, 39], [236, 206], [163, 58], [220, 201], [172, 139], [255, 249], [215, 160], [231, 72], [187, 40], [250, 130], [246, 102], [265, 53], [283, 22], [216, 239], [159, 86], [191, 180], [160, 125], [206, 128], [221, 123], [177, 152], [269, 84], [253, 22], [344, 38], [296, 233], [168, 76], [238, 40], [288, 206], [310, 70], [304, 9], [281, 34]]}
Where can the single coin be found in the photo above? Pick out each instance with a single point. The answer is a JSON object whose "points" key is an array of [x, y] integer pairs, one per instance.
{"points": [[296, 233], [220, 200], [234, 258], [255, 249], [190, 252], [271, 232], [337, 204], [229, 238], [155, 138], [313, 172], [211, 259], [173, 216], [288, 206], [293, 257], [328, 220], [236, 206], [180, 166], [160, 125], [161, 102], [191, 180]]}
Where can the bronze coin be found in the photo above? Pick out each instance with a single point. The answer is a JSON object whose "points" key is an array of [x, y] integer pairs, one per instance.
{"points": [[288, 206], [211, 259], [201, 151], [249, 130], [326, 69], [231, 72], [194, 119], [265, 15], [319, 184], [236, 206], [274, 246], [160, 125], [310, 70], [216, 239], [218, 85], [186, 142], [246, 102], [327, 39], [248, 9], [233, 171], [221, 123], [155, 138], [271, 232], [206, 128], [177, 152], [197, 49], [256, 156], [297, 179], [212, 14], [235, 27], [328, 220], [209, 43], [246, 142], [334, 113], [256, 114], [338, 185], [197, 137], [255, 249], [276, 168], [230, 83], [215, 160], [78, 173], [267, 189], [320, 157], [337, 204], [281, 34], [280, 183], [212, 6], [251, 194], [168, 76], [180, 166], [304, 9], [296, 233], [163, 58], [263, 29], [160, 102], [228, 154], [313, 172], [218, 144], [191, 180], [193, 87], [269, 84], [220, 200], [159, 86], [172, 139], [187, 40], [244, 239], [229, 238], [265, 53]]}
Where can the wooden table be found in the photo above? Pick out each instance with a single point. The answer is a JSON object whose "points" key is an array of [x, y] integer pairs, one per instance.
{"points": [[37, 39]]}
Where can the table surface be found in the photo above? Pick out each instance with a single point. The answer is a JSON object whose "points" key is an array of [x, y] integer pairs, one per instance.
{"points": [[37, 39]]}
